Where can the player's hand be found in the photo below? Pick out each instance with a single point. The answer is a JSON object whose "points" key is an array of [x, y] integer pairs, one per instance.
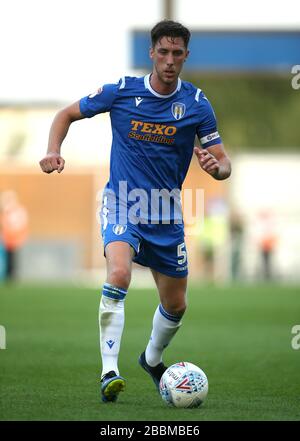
{"points": [[207, 161], [51, 162]]}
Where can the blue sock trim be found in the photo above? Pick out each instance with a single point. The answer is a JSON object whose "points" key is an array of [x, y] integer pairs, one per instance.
{"points": [[113, 292], [173, 318]]}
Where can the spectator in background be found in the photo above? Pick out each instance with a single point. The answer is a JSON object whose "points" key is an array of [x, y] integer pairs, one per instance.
{"points": [[267, 241], [211, 236], [13, 227], [236, 225]]}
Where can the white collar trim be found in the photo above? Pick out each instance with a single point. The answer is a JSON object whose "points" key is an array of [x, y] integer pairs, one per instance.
{"points": [[148, 86]]}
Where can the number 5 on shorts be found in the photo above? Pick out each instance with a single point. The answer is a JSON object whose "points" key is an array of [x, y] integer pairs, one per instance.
{"points": [[181, 252]]}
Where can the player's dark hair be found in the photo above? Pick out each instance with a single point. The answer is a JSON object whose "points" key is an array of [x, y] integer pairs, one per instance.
{"points": [[169, 28]]}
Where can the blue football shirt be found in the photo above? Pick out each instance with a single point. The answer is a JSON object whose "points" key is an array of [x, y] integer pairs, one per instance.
{"points": [[152, 141]]}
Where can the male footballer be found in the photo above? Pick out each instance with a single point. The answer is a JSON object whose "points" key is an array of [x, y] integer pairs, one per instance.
{"points": [[154, 121]]}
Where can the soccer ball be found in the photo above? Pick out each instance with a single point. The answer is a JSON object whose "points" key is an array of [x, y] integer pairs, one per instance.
{"points": [[183, 385]]}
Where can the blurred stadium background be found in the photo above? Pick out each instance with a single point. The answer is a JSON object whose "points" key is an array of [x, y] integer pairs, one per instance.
{"points": [[242, 60], [245, 56]]}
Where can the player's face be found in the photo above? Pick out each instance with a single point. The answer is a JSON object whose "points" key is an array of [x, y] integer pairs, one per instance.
{"points": [[168, 56]]}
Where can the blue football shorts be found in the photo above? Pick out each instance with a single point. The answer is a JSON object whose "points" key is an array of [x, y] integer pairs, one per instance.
{"points": [[157, 246]]}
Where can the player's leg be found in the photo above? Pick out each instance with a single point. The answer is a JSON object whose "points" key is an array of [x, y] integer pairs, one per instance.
{"points": [[168, 314], [111, 315], [172, 292], [166, 322]]}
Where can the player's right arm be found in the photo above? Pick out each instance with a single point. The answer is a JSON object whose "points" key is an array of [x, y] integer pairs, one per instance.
{"points": [[58, 131], [89, 106]]}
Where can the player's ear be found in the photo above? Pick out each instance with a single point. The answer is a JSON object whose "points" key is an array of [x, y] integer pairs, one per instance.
{"points": [[151, 52], [187, 54]]}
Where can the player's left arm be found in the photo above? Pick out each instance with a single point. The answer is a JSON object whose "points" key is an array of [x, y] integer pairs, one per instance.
{"points": [[214, 161]]}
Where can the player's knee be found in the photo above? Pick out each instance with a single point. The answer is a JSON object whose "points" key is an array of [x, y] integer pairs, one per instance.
{"points": [[119, 276], [177, 310], [180, 310]]}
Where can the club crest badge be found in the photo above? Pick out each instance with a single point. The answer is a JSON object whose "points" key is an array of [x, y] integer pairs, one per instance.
{"points": [[119, 229], [178, 110]]}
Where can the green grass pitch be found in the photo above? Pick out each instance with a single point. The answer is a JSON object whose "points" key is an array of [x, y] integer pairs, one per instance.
{"points": [[239, 335]]}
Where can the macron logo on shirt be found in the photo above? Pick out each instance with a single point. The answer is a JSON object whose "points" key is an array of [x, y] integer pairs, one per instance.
{"points": [[138, 101]]}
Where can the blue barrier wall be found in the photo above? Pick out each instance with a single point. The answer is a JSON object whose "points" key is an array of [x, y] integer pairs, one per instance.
{"points": [[230, 50]]}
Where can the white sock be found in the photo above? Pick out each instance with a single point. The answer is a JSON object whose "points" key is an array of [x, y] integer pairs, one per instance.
{"points": [[164, 328], [111, 324]]}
